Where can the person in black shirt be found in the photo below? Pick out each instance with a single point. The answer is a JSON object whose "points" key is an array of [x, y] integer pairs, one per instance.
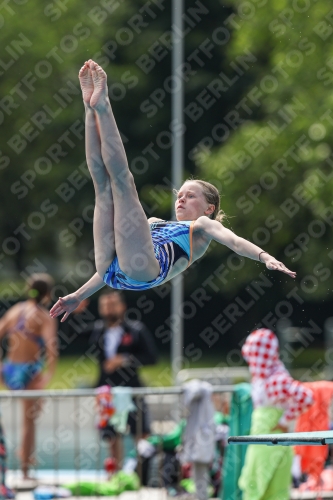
{"points": [[122, 346]]}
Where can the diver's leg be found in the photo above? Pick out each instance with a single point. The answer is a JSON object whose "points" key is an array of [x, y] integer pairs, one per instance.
{"points": [[133, 241], [103, 226]]}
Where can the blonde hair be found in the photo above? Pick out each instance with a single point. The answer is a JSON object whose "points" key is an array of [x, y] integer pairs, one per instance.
{"points": [[212, 196]]}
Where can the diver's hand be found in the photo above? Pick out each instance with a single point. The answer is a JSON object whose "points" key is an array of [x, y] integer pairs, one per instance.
{"points": [[275, 265], [65, 305]]}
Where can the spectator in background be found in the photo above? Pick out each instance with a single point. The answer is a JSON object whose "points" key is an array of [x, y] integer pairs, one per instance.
{"points": [[30, 332], [277, 400], [122, 347], [317, 418]]}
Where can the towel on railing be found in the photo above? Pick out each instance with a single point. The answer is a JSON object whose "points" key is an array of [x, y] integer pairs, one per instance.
{"points": [[240, 424], [113, 406], [105, 406], [199, 435], [123, 403]]}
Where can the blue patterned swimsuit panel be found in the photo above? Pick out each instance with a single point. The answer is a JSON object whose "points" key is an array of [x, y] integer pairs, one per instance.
{"points": [[171, 240], [17, 376]]}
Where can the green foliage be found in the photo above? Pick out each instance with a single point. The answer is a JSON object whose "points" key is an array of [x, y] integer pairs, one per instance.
{"points": [[267, 129], [276, 167]]}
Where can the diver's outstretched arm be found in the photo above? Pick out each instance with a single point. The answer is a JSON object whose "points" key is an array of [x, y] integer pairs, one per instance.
{"points": [[70, 302], [241, 246]]}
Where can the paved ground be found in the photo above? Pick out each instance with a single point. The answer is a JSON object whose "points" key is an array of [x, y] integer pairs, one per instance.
{"points": [[161, 494], [25, 489], [143, 494], [49, 478]]}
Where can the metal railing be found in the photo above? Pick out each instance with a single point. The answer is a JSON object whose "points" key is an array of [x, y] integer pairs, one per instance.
{"points": [[220, 375], [66, 433]]}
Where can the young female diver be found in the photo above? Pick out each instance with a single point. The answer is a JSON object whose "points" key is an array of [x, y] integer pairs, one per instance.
{"points": [[132, 252]]}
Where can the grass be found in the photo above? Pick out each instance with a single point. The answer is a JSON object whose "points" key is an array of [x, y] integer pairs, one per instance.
{"points": [[81, 372]]}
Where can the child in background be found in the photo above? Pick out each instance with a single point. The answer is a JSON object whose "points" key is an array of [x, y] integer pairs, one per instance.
{"points": [[30, 332], [317, 418], [277, 400]]}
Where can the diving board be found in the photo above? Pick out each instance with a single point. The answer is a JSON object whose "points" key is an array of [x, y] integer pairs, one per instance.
{"points": [[288, 439]]}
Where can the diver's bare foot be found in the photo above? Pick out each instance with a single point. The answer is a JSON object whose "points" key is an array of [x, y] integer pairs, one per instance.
{"points": [[86, 82], [99, 98]]}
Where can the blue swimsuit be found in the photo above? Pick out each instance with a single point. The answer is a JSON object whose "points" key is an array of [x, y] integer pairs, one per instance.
{"points": [[172, 240], [18, 375]]}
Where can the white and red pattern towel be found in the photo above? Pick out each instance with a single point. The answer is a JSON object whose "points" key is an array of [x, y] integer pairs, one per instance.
{"points": [[272, 385]]}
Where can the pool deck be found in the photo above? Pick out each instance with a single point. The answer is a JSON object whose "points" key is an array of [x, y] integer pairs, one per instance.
{"points": [[161, 494], [24, 489], [142, 494]]}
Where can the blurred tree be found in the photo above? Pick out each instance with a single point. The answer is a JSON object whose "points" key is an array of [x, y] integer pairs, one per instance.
{"points": [[256, 81], [276, 167]]}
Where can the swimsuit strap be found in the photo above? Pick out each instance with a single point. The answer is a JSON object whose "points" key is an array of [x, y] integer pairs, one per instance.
{"points": [[20, 322], [20, 327], [34, 338], [191, 243]]}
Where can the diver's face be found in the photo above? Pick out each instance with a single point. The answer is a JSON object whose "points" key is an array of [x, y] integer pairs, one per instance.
{"points": [[191, 202]]}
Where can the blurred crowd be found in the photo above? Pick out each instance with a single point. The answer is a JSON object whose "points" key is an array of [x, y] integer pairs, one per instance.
{"points": [[193, 457]]}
